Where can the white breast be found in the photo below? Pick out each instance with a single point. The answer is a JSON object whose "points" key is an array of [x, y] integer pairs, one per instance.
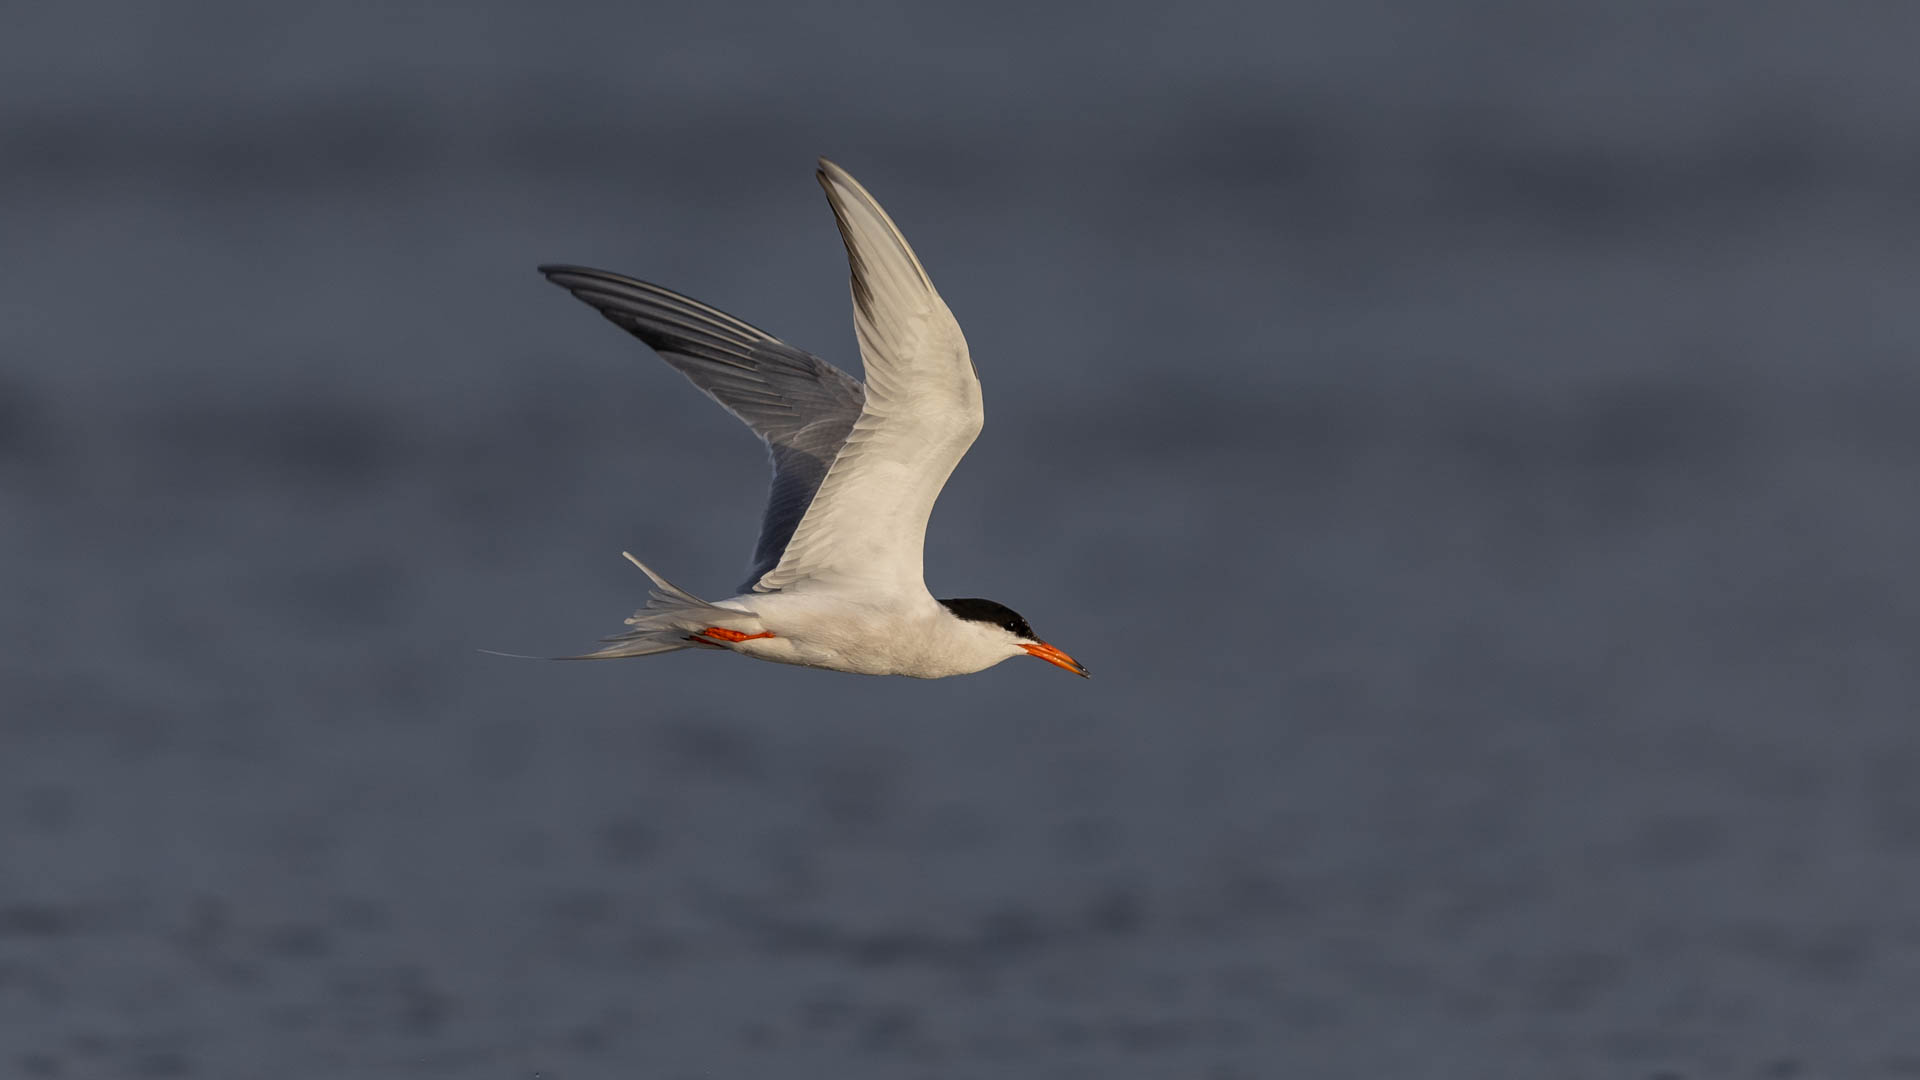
{"points": [[911, 636]]}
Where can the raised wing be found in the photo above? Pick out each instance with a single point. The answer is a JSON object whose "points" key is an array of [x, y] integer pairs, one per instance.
{"points": [[867, 524], [800, 405]]}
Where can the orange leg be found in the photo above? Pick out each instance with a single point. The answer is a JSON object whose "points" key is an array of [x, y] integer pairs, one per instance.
{"points": [[735, 636]]}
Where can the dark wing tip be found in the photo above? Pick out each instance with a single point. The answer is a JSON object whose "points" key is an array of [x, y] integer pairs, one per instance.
{"points": [[571, 276], [556, 272], [828, 185], [856, 265]]}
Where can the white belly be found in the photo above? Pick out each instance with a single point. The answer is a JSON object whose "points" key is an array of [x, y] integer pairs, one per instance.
{"points": [[826, 631]]}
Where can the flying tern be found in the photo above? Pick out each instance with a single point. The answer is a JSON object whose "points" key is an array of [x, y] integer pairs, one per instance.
{"points": [[836, 579]]}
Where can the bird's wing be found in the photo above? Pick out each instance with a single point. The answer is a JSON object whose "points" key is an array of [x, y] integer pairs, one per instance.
{"points": [[800, 405], [868, 521]]}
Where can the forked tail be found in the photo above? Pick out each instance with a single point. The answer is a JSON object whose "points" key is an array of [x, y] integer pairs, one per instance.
{"points": [[669, 622]]}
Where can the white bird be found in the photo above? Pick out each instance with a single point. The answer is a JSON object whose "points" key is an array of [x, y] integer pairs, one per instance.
{"points": [[836, 578]]}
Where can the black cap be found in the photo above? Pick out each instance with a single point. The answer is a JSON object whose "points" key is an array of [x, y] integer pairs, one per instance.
{"points": [[974, 609]]}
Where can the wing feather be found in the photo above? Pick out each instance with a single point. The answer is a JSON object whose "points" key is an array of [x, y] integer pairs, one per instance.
{"points": [[866, 524], [801, 406]]}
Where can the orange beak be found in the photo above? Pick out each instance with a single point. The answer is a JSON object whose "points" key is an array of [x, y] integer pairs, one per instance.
{"points": [[1055, 657]]}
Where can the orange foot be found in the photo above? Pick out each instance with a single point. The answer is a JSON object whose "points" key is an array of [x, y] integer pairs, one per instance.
{"points": [[736, 636]]}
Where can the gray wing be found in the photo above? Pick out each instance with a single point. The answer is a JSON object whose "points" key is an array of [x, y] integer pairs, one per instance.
{"points": [[800, 405]]}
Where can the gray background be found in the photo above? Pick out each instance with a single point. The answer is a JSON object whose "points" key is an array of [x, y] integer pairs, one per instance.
{"points": [[1472, 444]]}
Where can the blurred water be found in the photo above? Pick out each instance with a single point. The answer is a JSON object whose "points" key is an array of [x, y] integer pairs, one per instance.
{"points": [[1473, 447]]}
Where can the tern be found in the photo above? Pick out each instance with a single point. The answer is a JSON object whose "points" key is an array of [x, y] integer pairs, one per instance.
{"points": [[836, 579]]}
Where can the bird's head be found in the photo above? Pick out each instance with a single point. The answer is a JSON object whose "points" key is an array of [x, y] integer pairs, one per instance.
{"points": [[998, 626]]}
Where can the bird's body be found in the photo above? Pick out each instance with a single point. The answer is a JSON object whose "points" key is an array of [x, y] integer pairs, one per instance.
{"points": [[866, 636], [836, 580]]}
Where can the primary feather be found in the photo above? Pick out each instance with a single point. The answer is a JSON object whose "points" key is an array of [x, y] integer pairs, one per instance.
{"points": [[867, 524], [801, 406]]}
